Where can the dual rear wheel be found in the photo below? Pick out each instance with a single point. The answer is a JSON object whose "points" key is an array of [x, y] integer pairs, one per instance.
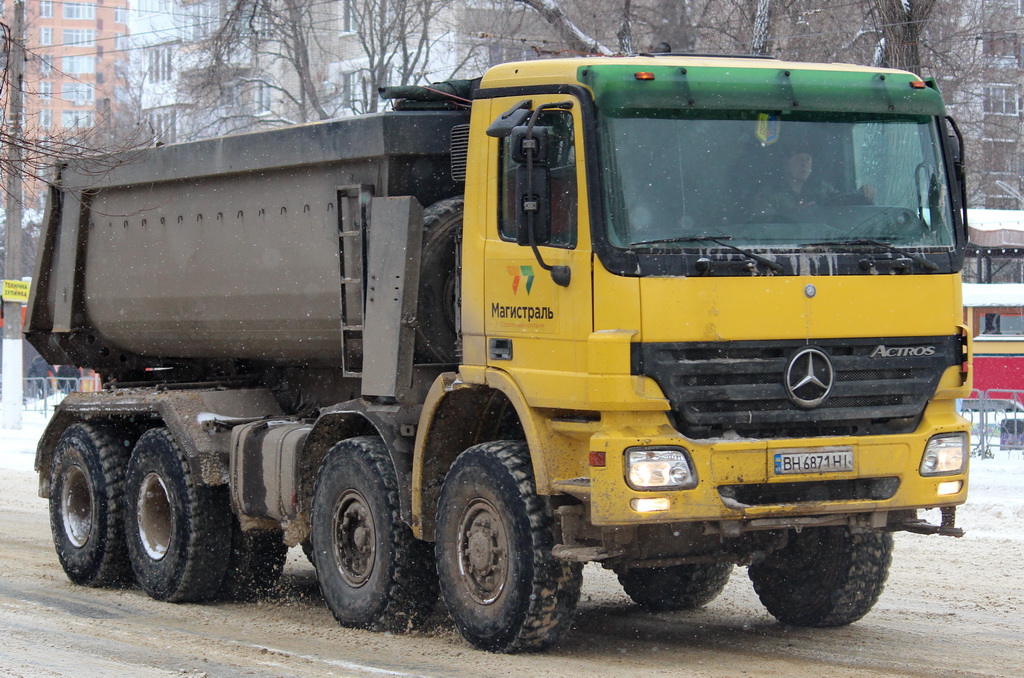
{"points": [[120, 512]]}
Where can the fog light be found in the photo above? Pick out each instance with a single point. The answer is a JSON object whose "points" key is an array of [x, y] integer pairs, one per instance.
{"points": [[666, 468], [650, 505], [949, 487], [945, 455]]}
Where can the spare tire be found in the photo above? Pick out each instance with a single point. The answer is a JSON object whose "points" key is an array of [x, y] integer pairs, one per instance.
{"points": [[437, 334]]}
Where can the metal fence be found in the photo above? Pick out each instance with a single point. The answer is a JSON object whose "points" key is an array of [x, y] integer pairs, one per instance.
{"points": [[42, 394], [997, 422]]}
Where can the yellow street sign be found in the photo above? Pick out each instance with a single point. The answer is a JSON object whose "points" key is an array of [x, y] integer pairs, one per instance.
{"points": [[16, 290]]}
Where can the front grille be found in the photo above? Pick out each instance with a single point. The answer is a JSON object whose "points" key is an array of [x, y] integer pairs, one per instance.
{"points": [[740, 386], [873, 489]]}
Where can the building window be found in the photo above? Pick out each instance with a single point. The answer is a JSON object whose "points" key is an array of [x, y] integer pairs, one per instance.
{"points": [[160, 66], [45, 64], [79, 65], [45, 36], [79, 37], [202, 20], [46, 9], [229, 94], [45, 89], [45, 119], [1001, 99], [121, 15], [261, 97], [1001, 47], [164, 125], [79, 92], [71, 119], [79, 10], [348, 85], [346, 18]]}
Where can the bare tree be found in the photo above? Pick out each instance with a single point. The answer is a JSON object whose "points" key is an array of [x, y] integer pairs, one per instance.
{"points": [[572, 35], [397, 38], [903, 24], [762, 27]]}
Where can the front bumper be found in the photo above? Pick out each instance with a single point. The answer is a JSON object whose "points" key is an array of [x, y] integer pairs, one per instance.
{"points": [[737, 479]]}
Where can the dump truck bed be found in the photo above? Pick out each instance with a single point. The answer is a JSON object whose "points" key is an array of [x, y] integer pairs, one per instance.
{"points": [[226, 248]]}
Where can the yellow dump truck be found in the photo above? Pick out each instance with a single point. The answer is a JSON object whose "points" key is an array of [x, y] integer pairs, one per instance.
{"points": [[668, 314]]}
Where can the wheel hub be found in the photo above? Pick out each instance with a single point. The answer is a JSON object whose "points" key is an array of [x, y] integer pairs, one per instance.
{"points": [[155, 516], [483, 552], [354, 538], [76, 503]]}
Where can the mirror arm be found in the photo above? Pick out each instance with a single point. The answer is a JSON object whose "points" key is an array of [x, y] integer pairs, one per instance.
{"points": [[958, 168], [560, 275]]}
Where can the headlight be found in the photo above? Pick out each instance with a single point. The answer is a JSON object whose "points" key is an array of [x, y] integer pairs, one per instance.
{"points": [[659, 469], [945, 455]]}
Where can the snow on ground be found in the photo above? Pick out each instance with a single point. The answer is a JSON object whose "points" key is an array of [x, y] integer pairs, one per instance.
{"points": [[18, 448], [995, 503]]}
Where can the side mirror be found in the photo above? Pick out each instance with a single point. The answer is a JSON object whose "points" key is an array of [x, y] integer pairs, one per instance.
{"points": [[523, 139], [533, 198]]}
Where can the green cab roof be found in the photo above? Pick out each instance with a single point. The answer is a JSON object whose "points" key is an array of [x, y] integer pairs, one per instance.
{"points": [[621, 87]]}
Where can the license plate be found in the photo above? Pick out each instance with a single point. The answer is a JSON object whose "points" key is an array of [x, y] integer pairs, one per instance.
{"points": [[830, 460]]}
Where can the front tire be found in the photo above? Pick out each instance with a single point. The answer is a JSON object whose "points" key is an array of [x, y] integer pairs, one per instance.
{"points": [[503, 588], [373, 573], [179, 532], [826, 576], [86, 497], [679, 587]]}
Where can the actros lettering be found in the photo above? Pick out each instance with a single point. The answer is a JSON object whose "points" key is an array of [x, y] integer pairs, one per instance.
{"points": [[902, 351], [527, 313]]}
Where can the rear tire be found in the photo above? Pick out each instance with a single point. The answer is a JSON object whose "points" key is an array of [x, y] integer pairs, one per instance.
{"points": [[826, 576], [86, 502], [179, 532], [680, 587], [373, 573], [503, 588]]}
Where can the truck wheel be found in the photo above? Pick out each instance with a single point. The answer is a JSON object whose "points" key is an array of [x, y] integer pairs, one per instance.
{"points": [[86, 501], [436, 335], [680, 587], [823, 577], [502, 586], [257, 559], [373, 573], [179, 532]]}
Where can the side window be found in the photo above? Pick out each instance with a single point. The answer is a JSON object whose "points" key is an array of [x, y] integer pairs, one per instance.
{"points": [[562, 183]]}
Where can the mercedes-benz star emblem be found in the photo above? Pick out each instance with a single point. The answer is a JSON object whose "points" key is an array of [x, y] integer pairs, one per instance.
{"points": [[809, 378]]}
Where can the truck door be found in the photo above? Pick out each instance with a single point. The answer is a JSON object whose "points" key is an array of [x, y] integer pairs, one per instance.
{"points": [[535, 327]]}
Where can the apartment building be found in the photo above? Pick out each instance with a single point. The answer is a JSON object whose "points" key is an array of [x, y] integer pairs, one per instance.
{"points": [[74, 70]]}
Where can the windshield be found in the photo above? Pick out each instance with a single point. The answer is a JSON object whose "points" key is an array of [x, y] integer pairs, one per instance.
{"points": [[769, 181]]}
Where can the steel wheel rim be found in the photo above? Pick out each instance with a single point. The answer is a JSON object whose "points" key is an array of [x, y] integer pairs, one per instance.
{"points": [[483, 551], [76, 505], [155, 516], [355, 538]]}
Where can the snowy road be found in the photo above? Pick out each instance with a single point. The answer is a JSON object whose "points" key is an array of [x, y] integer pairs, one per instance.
{"points": [[951, 608]]}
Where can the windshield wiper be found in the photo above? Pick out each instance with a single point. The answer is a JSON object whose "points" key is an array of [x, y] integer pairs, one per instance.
{"points": [[718, 240], [888, 247]]}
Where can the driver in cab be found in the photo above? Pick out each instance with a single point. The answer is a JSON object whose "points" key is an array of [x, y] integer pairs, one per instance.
{"points": [[797, 188]]}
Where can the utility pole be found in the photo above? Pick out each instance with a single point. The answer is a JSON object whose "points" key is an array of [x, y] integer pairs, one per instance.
{"points": [[12, 351]]}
